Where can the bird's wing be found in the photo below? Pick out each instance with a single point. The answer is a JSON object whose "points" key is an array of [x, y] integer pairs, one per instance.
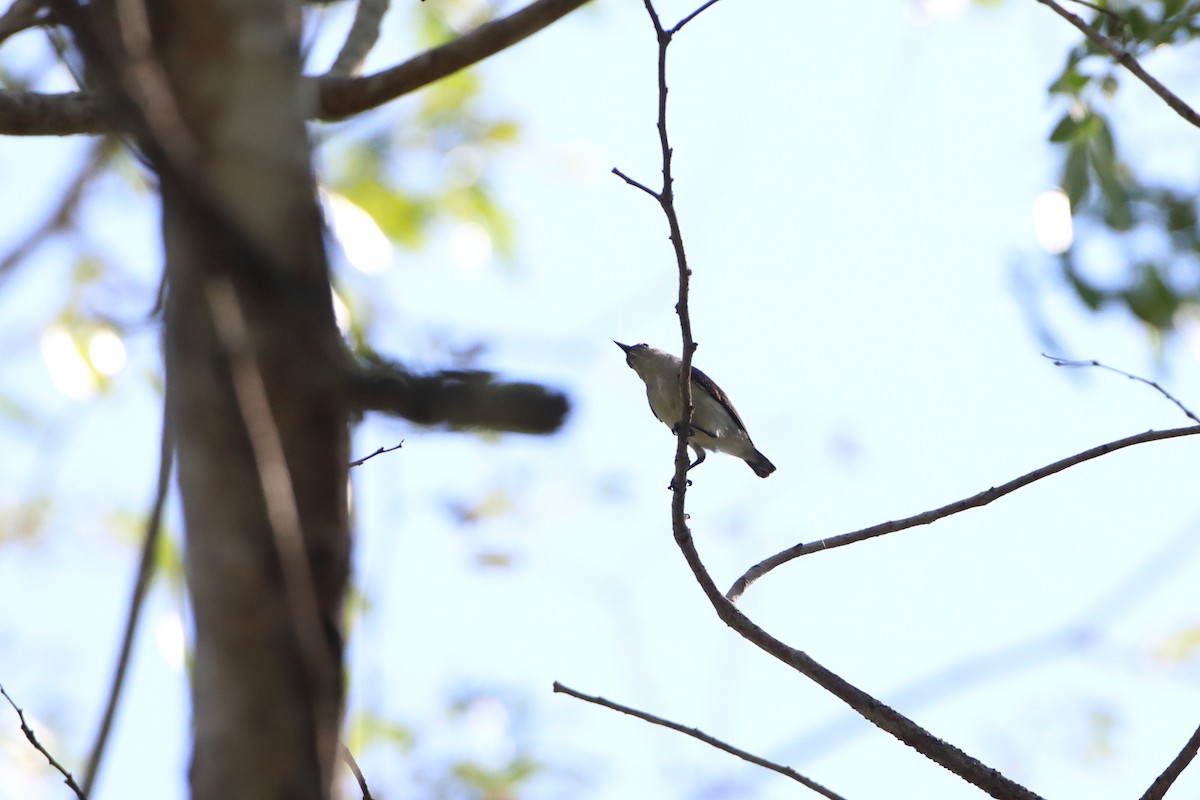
{"points": [[708, 385]]}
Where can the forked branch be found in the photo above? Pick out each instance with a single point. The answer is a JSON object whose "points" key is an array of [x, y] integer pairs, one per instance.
{"points": [[975, 501], [1123, 57]]}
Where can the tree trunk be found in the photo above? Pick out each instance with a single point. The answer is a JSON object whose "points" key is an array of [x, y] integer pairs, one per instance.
{"points": [[256, 397]]}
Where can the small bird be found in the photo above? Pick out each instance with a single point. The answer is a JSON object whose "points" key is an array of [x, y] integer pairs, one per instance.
{"points": [[715, 422]]}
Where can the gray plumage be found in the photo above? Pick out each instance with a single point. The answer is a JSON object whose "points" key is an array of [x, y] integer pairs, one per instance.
{"points": [[715, 422]]}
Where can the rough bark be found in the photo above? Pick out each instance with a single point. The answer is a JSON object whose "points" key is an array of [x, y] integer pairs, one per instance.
{"points": [[249, 316]]}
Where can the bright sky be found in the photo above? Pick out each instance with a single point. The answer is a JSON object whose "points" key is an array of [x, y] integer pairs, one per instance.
{"points": [[857, 185]]}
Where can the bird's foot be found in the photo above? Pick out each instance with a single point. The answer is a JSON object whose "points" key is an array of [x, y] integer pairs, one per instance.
{"points": [[679, 426]]}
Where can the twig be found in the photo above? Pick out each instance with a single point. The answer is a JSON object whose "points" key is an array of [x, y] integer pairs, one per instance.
{"points": [[635, 184], [344, 97], [378, 452], [1099, 9], [679, 26], [1163, 782], [666, 200], [364, 32], [704, 737], [348, 757], [146, 565], [1122, 57], [975, 501], [882, 716], [33, 740], [1063, 362]]}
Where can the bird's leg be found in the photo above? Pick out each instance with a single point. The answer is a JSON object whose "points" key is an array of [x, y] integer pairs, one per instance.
{"points": [[699, 451]]}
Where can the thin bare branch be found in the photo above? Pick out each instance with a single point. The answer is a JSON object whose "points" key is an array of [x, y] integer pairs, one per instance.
{"points": [[1063, 362], [695, 733], [363, 34], [635, 184], [975, 501], [348, 757], [884, 717], [1163, 782], [1108, 12], [378, 452], [873, 710], [343, 97], [679, 26], [1122, 57], [141, 585], [33, 740]]}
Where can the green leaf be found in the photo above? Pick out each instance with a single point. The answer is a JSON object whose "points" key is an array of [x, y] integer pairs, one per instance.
{"points": [[1172, 7], [1118, 213], [368, 728], [1181, 213], [1151, 299], [403, 218], [1075, 177], [1071, 82], [1065, 130], [1091, 296], [1137, 24], [16, 411]]}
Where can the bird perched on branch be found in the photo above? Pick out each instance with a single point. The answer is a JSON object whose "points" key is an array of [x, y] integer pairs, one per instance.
{"points": [[715, 422]]}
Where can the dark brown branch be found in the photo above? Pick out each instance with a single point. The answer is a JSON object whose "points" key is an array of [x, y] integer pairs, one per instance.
{"points": [[343, 97], [33, 740], [461, 399], [1063, 362], [704, 737], [1122, 57], [34, 114], [1163, 782], [975, 501], [884, 717], [64, 114], [363, 34]]}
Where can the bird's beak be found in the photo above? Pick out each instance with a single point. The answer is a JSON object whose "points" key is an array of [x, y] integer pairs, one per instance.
{"points": [[624, 347]]}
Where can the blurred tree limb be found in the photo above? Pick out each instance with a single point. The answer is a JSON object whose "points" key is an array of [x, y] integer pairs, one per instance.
{"points": [[337, 96], [459, 399]]}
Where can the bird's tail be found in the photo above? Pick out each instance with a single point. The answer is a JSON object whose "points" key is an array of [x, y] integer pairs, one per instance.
{"points": [[761, 466]]}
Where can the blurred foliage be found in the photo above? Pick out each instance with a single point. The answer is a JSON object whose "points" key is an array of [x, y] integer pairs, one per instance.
{"points": [[475, 750], [1150, 228], [429, 165]]}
